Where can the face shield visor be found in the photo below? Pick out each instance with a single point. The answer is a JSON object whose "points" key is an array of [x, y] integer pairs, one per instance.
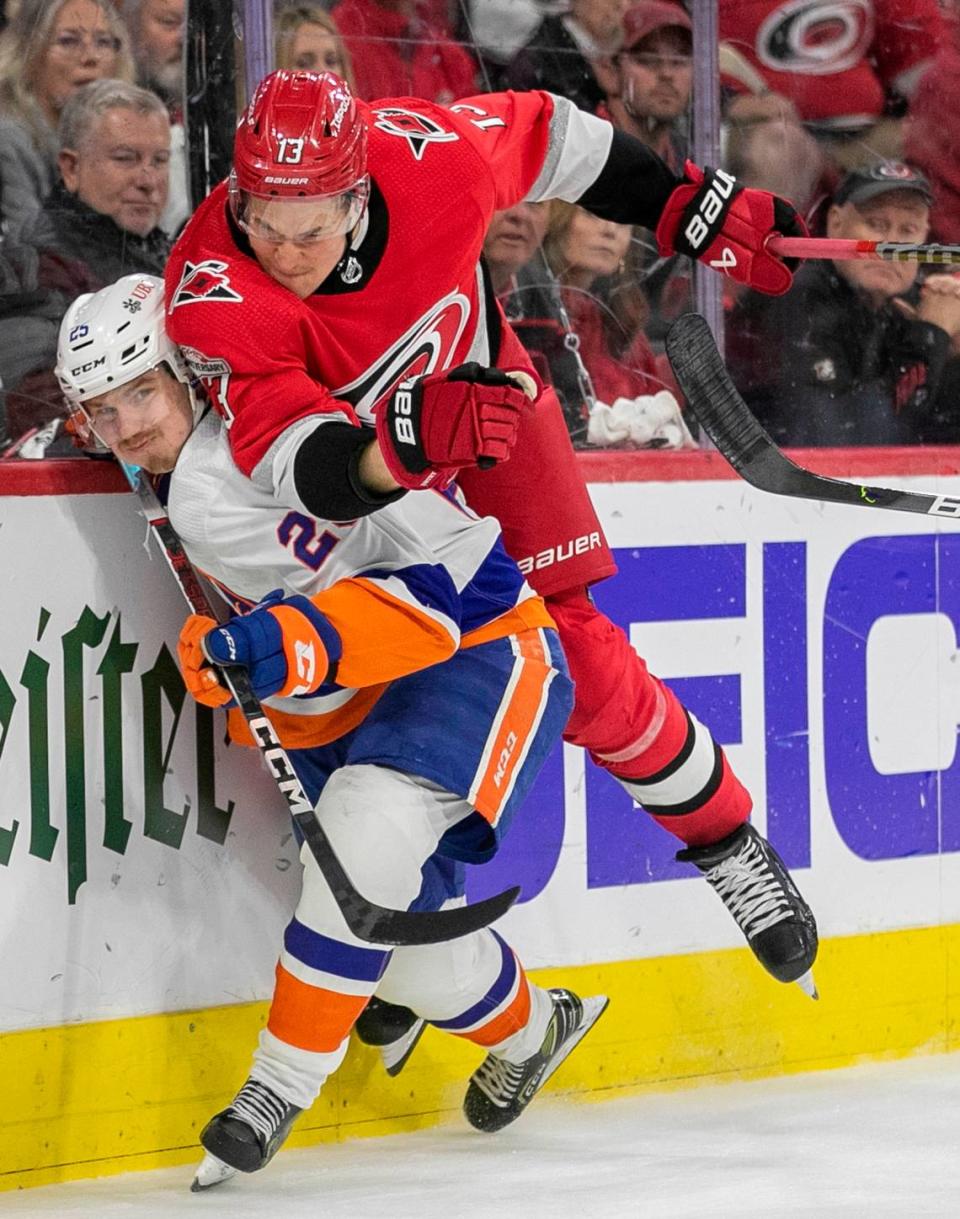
{"points": [[301, 220]]}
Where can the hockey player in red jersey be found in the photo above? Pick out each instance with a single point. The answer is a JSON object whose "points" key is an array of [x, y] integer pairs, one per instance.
{"points": [[336, 278]]}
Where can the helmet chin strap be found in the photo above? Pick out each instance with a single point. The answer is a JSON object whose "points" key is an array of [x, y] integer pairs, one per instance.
{"points": [[197, 404]]}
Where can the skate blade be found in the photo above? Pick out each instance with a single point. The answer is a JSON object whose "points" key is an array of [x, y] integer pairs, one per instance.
{"points": [[396, 1054], [593, 1009], [212, 1171], [807, 985]]}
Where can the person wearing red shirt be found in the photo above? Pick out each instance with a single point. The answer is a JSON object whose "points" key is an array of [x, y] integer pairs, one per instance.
{"points": [[398, 51], [839, 61]]}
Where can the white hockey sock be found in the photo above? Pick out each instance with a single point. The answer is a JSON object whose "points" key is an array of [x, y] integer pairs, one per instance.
{"points": [[296, 1075], [523, 1044]]}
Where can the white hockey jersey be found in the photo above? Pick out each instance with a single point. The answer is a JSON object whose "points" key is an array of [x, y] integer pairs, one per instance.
{"points": [[405, 587]]}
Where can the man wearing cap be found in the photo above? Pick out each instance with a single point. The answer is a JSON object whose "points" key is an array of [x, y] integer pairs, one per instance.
{"points": [[653, 74], [853, 354], [564, 52]]}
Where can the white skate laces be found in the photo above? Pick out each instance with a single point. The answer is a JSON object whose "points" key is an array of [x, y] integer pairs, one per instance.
{"points": [[750, 890], [499, 1091], [260, 1108], [752, 881], [500, 1080]]}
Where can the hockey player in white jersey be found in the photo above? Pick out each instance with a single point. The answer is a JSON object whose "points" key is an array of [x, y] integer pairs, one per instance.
{"points": [[415, 680]]}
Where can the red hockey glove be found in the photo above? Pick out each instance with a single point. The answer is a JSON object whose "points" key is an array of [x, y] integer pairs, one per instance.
{"points": [[432, 426], [286, 643], [726, 226]]}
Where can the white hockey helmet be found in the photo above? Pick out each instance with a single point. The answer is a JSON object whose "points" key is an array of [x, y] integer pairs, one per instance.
{"points": [[110, 337]]}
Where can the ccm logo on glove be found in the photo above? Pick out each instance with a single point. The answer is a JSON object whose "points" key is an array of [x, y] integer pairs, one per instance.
{"points": [[287, 645]]}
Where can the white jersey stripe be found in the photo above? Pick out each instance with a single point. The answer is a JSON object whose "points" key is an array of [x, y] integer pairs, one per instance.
{"points": [[687, 781]]}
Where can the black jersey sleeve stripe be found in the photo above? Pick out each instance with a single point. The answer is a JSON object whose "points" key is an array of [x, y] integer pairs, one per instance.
{"points": [[326, 473], [633, 186]]}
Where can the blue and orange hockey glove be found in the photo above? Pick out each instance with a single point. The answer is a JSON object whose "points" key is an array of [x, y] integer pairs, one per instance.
{"points": [[709, 216], [287, 645]]}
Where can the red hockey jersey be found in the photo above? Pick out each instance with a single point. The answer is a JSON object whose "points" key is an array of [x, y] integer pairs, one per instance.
{"points": [[407, 298], [835, 58]]}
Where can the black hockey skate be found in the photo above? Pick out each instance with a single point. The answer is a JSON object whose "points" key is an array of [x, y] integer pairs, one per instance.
{"points": [[393, 1029], [247, 1134], [755, 886], [499, 1091]]}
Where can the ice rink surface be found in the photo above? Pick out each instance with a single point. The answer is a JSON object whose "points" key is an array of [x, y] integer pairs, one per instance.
{"points": [[877, 1140]]}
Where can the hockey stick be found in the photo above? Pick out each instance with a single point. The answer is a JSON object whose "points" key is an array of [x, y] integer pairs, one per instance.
{"points": [[874, 251], [370, 922], [727, 420]]}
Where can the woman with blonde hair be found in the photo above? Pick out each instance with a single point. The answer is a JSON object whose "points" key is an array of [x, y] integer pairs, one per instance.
{"points": [[307, 37], [49, 50], [597, 268]]}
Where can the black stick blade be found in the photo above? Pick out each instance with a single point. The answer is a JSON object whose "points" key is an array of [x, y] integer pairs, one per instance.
{"points": [[725, 417]]}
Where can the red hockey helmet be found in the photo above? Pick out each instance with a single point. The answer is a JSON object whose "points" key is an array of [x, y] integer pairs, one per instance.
{"points": [[301, 139]]}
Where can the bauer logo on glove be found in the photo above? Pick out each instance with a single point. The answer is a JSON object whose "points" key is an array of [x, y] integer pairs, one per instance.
{"points": [[709, 208], [711, 217], [432, 426], [402, 412]]}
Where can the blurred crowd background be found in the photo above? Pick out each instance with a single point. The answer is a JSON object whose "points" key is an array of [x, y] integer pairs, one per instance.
{"points": [[849, 108]]}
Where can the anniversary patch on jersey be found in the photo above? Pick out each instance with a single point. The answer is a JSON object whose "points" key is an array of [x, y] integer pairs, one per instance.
{"points": [[205, 366], [816, 37], [417, 129], [203, 281]]}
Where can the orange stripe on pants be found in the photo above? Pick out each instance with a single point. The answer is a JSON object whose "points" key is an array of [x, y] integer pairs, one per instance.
{"points": [[309, 1017], [518, 721], [511, 1020]]}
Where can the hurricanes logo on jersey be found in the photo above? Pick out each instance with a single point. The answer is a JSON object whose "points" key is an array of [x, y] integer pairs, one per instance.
{"points": [[427, 345], [816, 37], [417, 129], [203, 281]]}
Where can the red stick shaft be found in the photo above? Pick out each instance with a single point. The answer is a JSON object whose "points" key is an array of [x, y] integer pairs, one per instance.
{"points": [[884, 251]]}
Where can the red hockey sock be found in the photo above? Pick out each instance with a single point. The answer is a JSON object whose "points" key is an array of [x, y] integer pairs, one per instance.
{"points": [[634, 726]]}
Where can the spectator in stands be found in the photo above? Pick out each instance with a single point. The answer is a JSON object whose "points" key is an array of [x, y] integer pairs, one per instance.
{"points": [[50, 50], [157, 34], [530, 297], [98, 223], [497, 29], [653, 72], [513, 239], [853, 354], [307, 38], [850, 69], [766, 146], [604, 307], [932, 135], [563, 53], [398, 52]]}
